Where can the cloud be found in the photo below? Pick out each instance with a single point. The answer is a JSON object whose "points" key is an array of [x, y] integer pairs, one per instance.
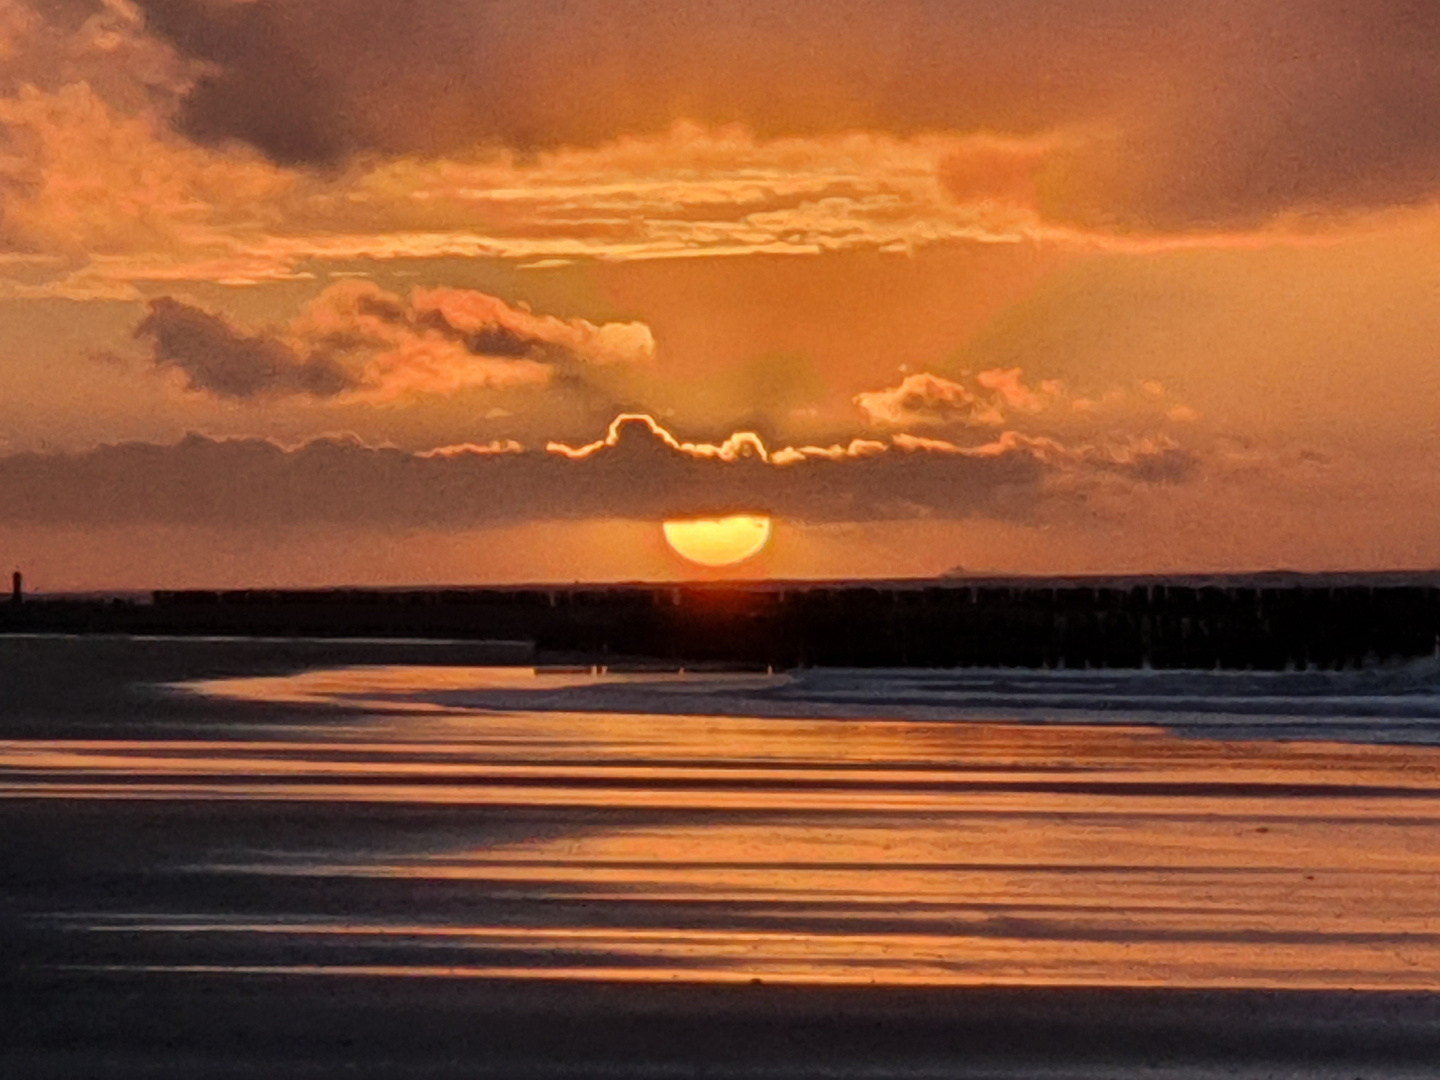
{"points": [[218, 359], [359, 341], [147, 141], [1153, 459], [99, 43], [123, 201], [1007, 386], [321, 81], [738, 447], [491, 327], [639, 470], [999, 396], [85, 180], [923, 399], [1213, 112], [425, 156]]}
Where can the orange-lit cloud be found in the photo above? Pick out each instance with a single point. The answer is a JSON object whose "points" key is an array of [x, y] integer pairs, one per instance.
{"points": [[925, 399], [920, 398], [509, 72], [998, 396], [106, 180], [1007, 385], [139, 127], [138, 131], [97, 187], [357, 340], [505, 330], [855, 448], [740, 445], [1217, 111], [495, 446], [127, 204]]}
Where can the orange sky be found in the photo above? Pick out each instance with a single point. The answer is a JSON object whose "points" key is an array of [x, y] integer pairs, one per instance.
{"points": [[1022, 287]]}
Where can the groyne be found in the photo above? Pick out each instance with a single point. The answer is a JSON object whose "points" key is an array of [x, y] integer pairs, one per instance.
{"points": [[1260, 622]]}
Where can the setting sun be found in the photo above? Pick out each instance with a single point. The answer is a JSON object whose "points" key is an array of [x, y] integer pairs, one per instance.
{"points": [[719, 541]]}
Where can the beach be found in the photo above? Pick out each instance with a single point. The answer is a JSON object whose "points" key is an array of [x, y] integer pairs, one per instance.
{"points": [[376, 858]]}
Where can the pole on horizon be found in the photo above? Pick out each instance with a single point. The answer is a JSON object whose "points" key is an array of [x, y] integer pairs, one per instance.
{"points": [[17, 587]]}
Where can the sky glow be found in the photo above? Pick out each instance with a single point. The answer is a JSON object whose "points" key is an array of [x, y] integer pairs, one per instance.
{"points": [[316, 291]]}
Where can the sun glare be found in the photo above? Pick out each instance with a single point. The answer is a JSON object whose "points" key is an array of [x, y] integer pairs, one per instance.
{"points": [[718, 541]]}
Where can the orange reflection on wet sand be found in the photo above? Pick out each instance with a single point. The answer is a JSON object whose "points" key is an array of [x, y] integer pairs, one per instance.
{"points": [[801, 850]]}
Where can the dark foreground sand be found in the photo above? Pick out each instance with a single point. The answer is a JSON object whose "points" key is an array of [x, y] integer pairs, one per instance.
{"points": [[82, 993], [196, 1026]]}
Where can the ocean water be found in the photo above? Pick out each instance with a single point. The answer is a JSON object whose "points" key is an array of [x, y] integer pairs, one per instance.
{"points": [[862, 829]]}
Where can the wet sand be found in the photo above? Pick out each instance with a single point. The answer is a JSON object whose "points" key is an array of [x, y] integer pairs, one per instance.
{"points": [[440, 871], [216, 1026]]}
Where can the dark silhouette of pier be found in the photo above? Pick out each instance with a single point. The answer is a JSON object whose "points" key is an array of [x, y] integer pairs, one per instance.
{"points": [[1260, 622]]}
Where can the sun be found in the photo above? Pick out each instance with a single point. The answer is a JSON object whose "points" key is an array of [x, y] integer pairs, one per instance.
{"points": [[718, 541]]}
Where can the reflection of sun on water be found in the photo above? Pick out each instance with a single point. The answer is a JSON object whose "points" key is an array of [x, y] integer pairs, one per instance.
{"points": [[719, 541]]}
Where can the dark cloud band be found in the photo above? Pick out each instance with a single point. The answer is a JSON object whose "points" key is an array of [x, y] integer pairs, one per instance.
{"points": [[638, 472]]}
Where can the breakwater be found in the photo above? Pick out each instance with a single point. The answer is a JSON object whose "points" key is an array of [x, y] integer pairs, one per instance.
{"points": [[1261, 622]]}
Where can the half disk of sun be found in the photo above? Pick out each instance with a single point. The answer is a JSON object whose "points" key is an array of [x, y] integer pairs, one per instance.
{"points": [[719, 541]]}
